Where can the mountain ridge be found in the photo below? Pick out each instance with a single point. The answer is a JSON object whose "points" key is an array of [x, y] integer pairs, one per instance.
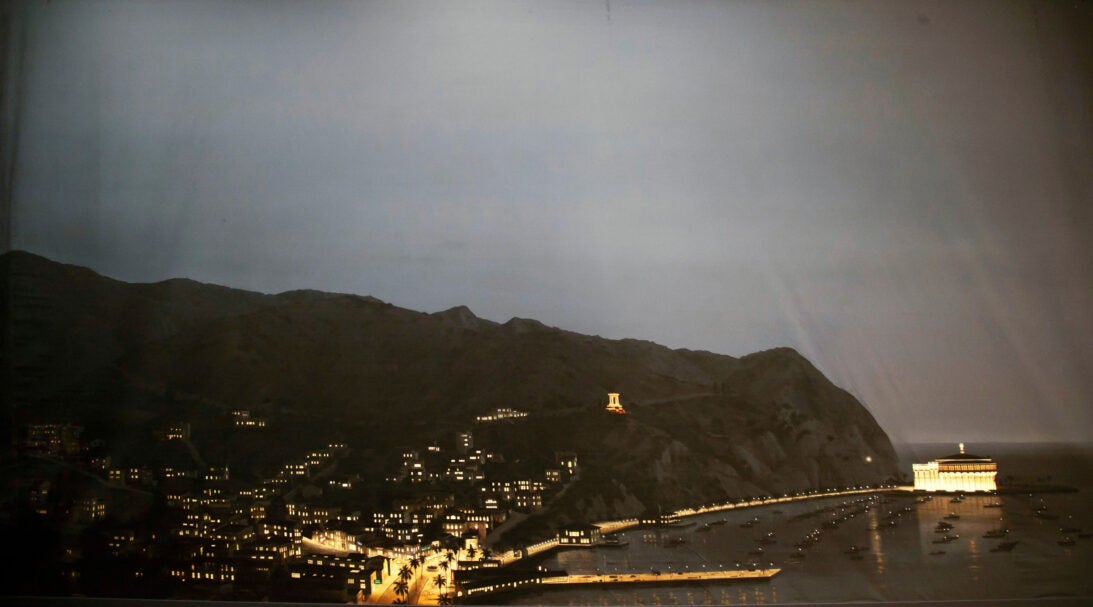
{"points": [[330, 366]]}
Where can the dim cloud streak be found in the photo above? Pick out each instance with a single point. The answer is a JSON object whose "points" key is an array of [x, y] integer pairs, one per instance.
{"points": [[888, 196]]}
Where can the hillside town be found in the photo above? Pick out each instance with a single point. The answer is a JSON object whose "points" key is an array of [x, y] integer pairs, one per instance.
{"points": [[437, 532], [194, 529]]}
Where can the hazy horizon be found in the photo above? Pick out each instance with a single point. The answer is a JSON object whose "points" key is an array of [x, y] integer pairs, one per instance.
{"points": [[898, 190]]}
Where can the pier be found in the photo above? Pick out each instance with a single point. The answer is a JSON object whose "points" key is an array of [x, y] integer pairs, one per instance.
{"points": [[672, 577], [500, 580]]}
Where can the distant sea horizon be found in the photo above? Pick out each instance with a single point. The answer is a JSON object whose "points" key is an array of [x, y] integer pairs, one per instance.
{"points": [[1013, 457]]}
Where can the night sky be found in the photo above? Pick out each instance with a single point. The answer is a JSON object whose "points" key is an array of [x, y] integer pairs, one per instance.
{"points": [[903, 191]]}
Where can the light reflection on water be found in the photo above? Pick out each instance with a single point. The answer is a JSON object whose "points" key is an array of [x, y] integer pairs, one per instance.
{"points": [[897, 563]]}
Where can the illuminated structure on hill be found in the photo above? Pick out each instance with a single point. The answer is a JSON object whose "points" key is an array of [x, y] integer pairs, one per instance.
{"points": [[613, 404], [957, 472]]}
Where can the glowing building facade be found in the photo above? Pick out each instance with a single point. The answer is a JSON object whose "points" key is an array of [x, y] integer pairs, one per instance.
{"points": [[958, 472], [613, 404]]}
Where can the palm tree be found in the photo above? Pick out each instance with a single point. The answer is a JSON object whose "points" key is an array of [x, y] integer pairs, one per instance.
{"points": [[405, 573], [486, 553], [444, 599], [449, 557], [402, 589], [440, 582], [445, 566], [470, 553]]}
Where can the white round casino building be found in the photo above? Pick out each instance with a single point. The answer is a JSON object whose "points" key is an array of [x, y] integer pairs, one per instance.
{"points": [[960, 472]]}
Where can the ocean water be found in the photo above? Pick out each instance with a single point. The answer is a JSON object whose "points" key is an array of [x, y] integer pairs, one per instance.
{"points": [[891, 563]]}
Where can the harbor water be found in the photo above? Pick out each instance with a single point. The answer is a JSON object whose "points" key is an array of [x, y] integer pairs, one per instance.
{"points": [[885, 548]]}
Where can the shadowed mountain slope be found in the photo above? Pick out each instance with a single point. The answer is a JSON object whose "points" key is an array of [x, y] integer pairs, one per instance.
{"points": [[328, 366]]}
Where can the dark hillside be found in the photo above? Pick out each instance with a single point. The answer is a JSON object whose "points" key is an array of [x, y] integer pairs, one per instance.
{"points": [[124, 359]]}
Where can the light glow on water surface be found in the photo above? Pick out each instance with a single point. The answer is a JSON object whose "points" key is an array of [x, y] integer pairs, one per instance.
{"points": [[903, 561]]}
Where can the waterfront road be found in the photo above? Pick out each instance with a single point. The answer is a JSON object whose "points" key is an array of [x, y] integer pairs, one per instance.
{"points": [[621, 525]]}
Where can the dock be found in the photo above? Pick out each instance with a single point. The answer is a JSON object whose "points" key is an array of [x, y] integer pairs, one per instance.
{"points": [[670, 577]]}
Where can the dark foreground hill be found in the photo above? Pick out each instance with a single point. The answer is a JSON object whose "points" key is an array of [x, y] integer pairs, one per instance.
{"points": [[122, 359]]}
